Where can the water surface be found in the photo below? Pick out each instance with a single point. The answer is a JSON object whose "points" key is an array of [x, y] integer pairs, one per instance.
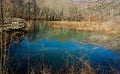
{"points": [[54, 48]]}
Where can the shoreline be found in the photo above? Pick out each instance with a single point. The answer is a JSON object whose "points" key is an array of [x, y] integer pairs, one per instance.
{"points": [[85, 26], [108, 34]]}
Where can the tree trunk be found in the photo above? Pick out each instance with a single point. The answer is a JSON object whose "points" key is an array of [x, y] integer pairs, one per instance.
{"points": [[2, 51]]}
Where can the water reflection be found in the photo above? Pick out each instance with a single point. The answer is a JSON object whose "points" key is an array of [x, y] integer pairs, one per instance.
{"points": [[56, 54], [42, 30], [56, 51]]}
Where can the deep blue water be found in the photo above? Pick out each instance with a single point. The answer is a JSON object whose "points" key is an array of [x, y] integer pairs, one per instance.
{"points": [[55, 54], [56, 48]]}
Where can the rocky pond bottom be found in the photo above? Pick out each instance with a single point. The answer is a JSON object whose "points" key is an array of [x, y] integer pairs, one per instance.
{"points": [[47, 56]]}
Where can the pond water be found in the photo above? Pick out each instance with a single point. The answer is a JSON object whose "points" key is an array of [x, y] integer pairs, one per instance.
{"points": [[56, 49]]}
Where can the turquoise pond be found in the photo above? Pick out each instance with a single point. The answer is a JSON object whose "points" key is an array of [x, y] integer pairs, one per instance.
{"points": [[55, 48]]}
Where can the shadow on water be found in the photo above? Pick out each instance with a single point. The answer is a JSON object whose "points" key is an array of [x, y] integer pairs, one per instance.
{"points": [[55, 51]]}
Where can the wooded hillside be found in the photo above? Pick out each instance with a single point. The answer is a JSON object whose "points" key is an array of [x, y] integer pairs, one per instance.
{"points": [[100, 10]]}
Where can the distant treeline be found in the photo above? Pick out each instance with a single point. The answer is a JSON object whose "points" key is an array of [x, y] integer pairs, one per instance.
{"points": [[54, 10], [32, 10]]}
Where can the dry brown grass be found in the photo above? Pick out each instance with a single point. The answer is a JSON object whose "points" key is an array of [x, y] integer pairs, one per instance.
{"points": [[86, 26]]}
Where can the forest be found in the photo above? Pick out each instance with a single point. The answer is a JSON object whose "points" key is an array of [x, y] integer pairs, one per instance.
{"points": [[57, 10]]}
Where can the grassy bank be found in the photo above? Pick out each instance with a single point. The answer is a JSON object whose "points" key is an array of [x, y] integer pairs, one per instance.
{"points": [[101, 27]]}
